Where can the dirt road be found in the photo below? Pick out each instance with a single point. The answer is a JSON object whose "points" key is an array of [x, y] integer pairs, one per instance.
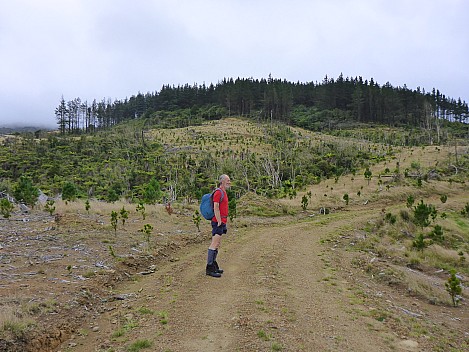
{"points": [[279, 292]]}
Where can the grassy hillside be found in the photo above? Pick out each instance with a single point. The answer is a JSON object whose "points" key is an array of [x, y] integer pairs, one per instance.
{"points": [[274, 160]]}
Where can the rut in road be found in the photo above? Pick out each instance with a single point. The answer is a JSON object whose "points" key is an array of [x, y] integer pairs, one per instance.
{"points": [[278, 292]]}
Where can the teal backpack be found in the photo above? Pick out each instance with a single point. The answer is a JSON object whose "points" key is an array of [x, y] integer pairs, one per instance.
{"points": [[206, 204]]}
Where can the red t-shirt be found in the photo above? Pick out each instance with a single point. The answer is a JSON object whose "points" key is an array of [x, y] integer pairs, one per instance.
{"points": [[223, 205]]}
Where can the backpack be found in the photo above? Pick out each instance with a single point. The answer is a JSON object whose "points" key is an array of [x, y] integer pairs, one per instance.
{"points": [[206, 204]]}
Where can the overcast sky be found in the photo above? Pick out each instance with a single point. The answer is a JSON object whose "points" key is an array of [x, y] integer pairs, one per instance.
{"points": [[117, 48]]}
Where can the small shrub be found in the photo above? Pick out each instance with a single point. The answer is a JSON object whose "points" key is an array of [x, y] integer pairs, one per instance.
{"points": [[367, 175], [454, 288], [25, 191], [422, 212], [444, 198], [146, 230], [419, 243], [419, 182], [50, 207], [124, 215], [141, 209], [196, 219], [437, 234], [465, 211], [304, 202], [69, 191], [114, 220], [6, 207], [410, 201], [346, 198]]}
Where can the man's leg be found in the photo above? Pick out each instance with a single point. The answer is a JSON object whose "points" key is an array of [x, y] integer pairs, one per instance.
{"points": [[211, 256]]}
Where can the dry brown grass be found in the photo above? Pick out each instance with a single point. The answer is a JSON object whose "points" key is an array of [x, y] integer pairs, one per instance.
{"points": [[13, 321]]}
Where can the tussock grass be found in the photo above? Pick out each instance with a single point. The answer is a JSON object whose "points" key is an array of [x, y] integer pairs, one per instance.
{"points": [[139, 345], [14, 323]]}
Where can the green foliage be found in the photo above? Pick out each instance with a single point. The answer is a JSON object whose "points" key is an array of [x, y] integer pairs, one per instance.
{"points": [[437, 234], [422, 212], [87, 206], [453, 287], [114, 216], [196, 219], [272, 159], [139, 345], [419, 182], [69, 191], [263, 335], [368, 174], [111, 251], [163, 317], [415, 165], [304, 202], [346, 198], [443, 198], [419, 243], [124, 215], [146, 230], [141, 209], [50, 207], [410, 201], [465, 210], [112, 195], [6, 207], [25, 191], [152, 192]]}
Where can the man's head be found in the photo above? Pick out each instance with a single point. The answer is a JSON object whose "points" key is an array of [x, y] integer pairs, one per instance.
{"points": [[224, 181]]}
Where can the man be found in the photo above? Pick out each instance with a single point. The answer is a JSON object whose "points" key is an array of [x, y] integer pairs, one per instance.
{"points": [[220, 207]]}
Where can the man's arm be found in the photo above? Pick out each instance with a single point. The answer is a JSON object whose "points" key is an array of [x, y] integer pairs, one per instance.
{"points": [[216, 210]]}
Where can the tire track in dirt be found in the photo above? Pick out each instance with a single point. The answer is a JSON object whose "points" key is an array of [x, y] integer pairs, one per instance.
{"points": [[276, 294]]}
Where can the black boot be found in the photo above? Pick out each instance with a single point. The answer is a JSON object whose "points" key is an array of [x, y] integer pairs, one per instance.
{"points": [[217, 268], [211, 271]]}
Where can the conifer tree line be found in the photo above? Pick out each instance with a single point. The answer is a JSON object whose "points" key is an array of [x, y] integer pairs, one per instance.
{"points": [[271, 99]]}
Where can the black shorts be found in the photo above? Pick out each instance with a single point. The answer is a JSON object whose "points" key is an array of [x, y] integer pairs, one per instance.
{"points": [[218, 230]]}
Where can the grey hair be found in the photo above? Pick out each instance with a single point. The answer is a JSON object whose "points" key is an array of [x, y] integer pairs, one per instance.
{"points": [[222, 178]]}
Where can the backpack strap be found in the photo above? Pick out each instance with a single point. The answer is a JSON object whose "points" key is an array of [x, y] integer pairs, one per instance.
{"points": [[222, 194]]}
